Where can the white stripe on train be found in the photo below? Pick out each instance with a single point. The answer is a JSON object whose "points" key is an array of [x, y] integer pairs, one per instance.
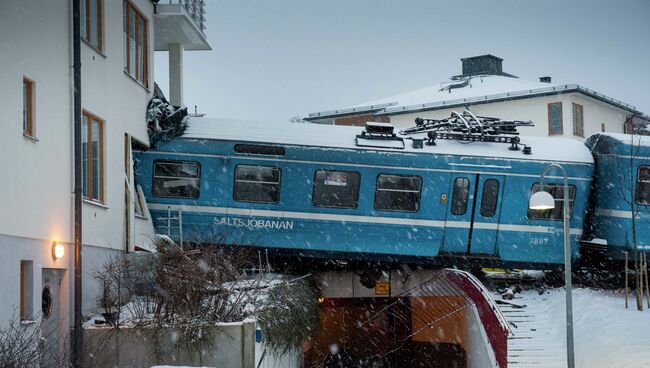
{"points": [[356, 218]]}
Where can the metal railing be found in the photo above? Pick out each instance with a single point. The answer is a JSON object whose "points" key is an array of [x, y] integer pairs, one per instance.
{"points": [[196, 10]]}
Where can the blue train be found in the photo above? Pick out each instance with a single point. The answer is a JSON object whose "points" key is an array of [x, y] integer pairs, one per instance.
{"points": [[348, 193]]}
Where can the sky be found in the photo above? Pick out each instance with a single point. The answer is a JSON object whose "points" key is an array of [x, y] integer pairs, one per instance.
{"points": [[274, 59]]}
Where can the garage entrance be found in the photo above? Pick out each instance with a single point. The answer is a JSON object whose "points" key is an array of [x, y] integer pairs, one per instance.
{"points": [[444, 322]]}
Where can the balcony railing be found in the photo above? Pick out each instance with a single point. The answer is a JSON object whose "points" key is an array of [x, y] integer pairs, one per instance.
{"points": [[196, 10]]}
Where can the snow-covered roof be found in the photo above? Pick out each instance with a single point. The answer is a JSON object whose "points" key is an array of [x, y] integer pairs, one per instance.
{"points": [[642, 140], [336, 136], [478, 89]]}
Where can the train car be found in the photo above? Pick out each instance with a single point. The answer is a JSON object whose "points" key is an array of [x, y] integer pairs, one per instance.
{"points": [[332, 191], [621, 188]]}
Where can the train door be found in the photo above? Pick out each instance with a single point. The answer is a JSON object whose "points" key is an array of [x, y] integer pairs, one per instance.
{"points": [[487, 211], [473, 214], [459, 213]]}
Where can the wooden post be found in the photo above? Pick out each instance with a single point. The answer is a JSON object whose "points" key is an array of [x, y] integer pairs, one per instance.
{"points": [[626, 279]]}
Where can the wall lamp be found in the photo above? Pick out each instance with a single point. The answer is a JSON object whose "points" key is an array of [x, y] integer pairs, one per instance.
{"points": [[58, 250]]}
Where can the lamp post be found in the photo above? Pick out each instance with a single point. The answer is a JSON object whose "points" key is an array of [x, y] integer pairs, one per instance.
{"points": [[543, 200]]}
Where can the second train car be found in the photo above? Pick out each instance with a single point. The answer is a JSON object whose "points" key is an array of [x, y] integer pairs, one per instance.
{"points": [[319, 190]]}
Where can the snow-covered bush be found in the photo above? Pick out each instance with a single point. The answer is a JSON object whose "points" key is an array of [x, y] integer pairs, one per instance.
{"points": [[289, 315]]}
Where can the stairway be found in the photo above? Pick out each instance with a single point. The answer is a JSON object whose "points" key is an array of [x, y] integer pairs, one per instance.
{"points": [[533, 342]]}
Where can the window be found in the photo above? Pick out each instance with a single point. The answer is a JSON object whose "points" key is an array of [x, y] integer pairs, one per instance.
{"points": [[92, 152], [643, 185], [92, 23], [490, 197], [28, 107], [460, 196], [26, 290], [578, 120], [398, 193], [136, 53], [179, 179], [138, 202], [555, 118], [557, 191], [336, 189], [257, 184]]}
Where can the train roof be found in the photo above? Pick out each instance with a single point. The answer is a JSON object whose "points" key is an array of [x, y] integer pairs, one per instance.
{"points": [[337, 136], [618, 143]]}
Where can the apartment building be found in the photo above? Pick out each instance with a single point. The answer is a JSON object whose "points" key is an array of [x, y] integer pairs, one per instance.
{"points": [[119, 38], [562, 110]]}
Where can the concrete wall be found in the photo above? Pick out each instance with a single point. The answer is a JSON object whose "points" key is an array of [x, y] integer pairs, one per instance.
{"points": [[536, 109], [233, 347]]}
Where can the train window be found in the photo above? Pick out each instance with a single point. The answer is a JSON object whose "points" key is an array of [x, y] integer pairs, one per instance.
{"points": [[336, 189], [259, 184], [398, 193], [460, 196], [256, 149], [643, 185], [489, 199], [180, 179], [557, 191]]}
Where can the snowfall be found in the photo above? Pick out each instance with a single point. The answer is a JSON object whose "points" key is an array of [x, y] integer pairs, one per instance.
{"points": [[606, 334]]}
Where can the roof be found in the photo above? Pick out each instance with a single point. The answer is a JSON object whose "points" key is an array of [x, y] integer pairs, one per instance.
{"points": [[337, 136], [478, 89], [618, 143]]}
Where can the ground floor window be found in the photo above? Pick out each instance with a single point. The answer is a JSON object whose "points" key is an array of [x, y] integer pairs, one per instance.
{"points": [[336, 189], [26, 290]]}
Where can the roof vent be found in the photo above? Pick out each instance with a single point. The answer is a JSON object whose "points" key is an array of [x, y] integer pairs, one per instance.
{"points": [[546, 79], [379, 135]]}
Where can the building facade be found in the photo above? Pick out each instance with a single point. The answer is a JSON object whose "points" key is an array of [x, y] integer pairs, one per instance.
{"points": [[36, 86], [564, 110]]}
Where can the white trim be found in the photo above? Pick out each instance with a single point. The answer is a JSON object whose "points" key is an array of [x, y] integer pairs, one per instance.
{"points": [[485, 166], [369, 165], [356, 218], [613, 213]]}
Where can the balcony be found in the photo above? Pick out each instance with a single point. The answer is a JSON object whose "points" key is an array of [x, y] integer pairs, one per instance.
{"points": [[180, 22]]}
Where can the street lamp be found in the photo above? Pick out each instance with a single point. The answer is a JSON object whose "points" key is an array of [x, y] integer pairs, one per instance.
{"points": [[543, 200]]}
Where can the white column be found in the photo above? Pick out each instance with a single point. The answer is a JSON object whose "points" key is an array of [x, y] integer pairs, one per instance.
{"points": [[176, 74]]}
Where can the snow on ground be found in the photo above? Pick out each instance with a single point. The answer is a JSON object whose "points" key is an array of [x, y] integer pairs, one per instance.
{"points": [[606, 334]]}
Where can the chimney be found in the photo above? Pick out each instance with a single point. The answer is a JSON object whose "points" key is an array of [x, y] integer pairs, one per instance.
{"points": [[482, 65], [546, 79]]}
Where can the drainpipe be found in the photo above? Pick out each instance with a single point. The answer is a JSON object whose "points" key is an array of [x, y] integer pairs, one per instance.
{"points": [[77, 318]]}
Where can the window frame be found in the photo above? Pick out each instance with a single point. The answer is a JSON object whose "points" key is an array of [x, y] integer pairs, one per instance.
{"points": [[358, 189], [549, 107], [26, 290], [453, 196], [578, 132], [28, 111], [496, 200], [144, 78], [377, 190], [557, 200], [88, 36], [279, 183], [89, 169], [638, 181], [175, 162]]}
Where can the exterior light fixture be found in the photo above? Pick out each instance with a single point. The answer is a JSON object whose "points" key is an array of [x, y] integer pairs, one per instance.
{"points": [[541, 200], [58, 250]]}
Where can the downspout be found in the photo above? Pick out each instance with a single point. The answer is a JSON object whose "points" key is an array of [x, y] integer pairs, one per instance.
{"points": [[77, 348]]}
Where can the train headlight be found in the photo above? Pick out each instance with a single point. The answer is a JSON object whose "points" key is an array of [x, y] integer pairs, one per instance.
{"points": [[541, 201]]}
